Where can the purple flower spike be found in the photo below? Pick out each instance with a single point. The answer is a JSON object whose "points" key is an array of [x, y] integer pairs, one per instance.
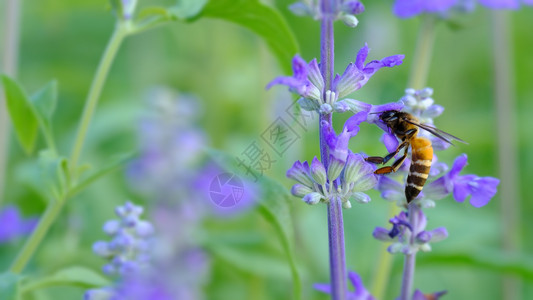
{"points": [[357, 74], [359, 293], [13, 225]]}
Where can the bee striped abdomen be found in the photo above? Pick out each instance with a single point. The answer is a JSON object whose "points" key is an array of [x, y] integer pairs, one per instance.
{"points": [[422, 155]]}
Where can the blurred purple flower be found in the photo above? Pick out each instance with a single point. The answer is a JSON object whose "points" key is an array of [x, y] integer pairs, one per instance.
{"points": [[215, 187], [359, 293], [14, 225], [411, 8], [482, 189], [128, 250]]}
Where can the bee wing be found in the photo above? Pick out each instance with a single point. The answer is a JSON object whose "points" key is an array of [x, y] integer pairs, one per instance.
{"points": [[438, 133]]}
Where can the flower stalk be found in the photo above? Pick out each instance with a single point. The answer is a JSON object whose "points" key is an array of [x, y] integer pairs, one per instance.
{"points": [[337, 258], [507, 153], [54, 207], [423, 52], [410, 257], [122, 29]]}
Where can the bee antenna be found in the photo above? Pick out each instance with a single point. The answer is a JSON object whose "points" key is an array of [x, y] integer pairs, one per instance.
{"points": [[375, 113]]}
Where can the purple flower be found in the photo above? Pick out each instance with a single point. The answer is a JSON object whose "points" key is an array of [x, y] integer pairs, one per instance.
{"points": [[358, 73], [349, 173], [481, 189], [13, 224], [402, 230], [128, 251], [359, 293], [307, 80], [338, 144]]}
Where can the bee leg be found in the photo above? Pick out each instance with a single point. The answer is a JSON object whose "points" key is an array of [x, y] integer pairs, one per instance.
{"points": [[395, 166], [384, 160]]}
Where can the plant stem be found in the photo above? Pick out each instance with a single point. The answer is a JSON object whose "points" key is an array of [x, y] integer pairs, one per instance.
{"points": [[9, 61], [52, 211], [54, 207], [337, 260], [410, 258], [424, 49], [121, 31], [384, 265], [507, 141]]}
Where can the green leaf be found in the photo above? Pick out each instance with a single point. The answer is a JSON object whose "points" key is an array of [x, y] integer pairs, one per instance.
{"points": [[45, 101], [187, 9], [274, 206], [263, 264], [54, 174], [9, 285], [22, 113], [115, 164], [72, 276], [261, 19], [496, 261]]}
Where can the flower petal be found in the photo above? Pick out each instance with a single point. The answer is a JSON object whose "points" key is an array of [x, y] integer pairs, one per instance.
{"points": [[483, 189]]}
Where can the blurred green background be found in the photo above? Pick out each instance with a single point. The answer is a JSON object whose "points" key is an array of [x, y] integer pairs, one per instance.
{"points": [[227, 67]]}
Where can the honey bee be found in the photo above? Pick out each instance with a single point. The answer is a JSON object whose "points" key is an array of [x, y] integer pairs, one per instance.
{"points": [[406, 127]]}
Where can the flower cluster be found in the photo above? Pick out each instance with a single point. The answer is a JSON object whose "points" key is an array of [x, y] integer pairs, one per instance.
{"points": [[128, 252], [402, 230], [442, 8], [441, 181], [308, 83], [346, 176], [346, 11]]}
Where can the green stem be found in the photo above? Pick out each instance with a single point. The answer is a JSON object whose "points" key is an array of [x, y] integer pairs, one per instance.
{"points": [[505, 105], [50, 215], [424, 49], [122, 29]]}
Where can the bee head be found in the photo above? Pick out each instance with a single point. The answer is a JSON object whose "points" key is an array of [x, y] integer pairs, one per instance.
{"points": [[389, 116]]}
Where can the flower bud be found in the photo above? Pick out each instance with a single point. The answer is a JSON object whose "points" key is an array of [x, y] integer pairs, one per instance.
{"points": [[350, 20], [325, 109], [335, 168], [300, 190], [312, 198], [318, 172], [300, 173]]}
